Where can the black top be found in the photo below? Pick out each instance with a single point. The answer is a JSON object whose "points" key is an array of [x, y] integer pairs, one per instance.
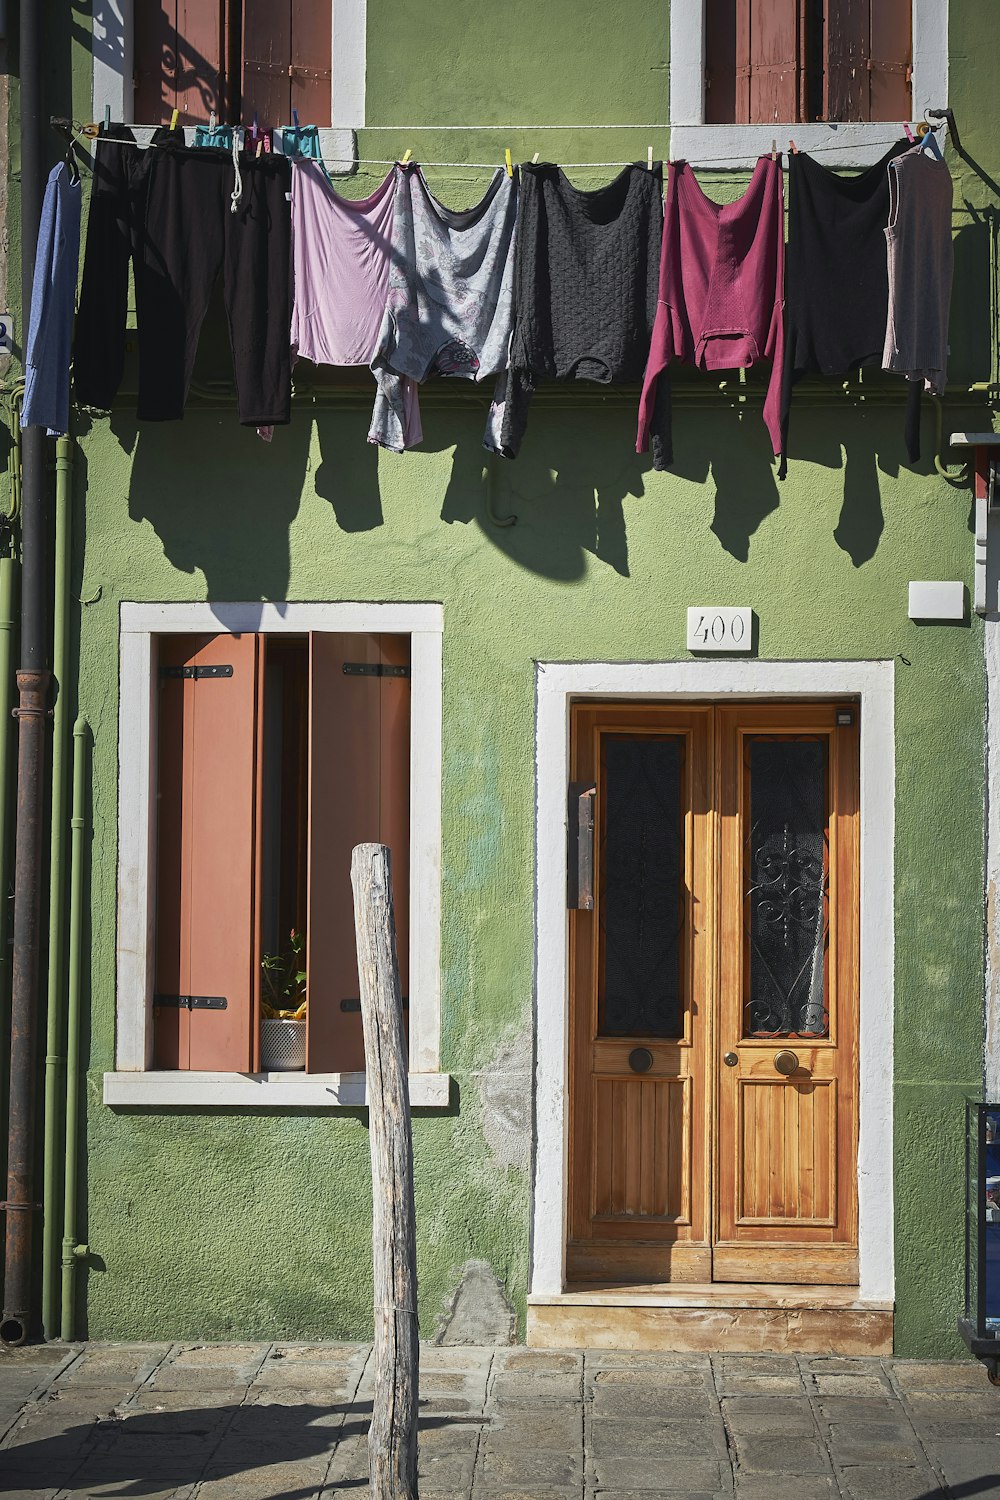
{"points": [[836, 270], [585, 283]]}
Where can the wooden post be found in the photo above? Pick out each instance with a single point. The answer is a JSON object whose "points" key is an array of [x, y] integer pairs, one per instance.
{"points": [[392, 1440]]}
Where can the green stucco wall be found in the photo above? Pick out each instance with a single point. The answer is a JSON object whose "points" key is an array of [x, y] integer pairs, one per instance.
{"points": [[225, 1224]]}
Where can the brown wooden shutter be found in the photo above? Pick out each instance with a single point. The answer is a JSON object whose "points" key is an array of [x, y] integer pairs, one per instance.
{"points": [[359, 751], [267, 61], [208, 791], [720, 62], [312, 42], [180, 60], [772, 50], [891, 60]]}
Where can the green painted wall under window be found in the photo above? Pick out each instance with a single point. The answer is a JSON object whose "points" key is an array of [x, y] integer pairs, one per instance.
{"points": [[221, 1224]]}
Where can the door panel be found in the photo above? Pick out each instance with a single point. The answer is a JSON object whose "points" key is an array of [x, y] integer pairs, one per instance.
{"points": [[639, 1153], [714, 1066], [787, 1000]]}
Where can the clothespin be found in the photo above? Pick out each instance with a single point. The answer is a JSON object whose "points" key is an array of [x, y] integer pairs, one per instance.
{"points": [[260, 147], [508, 163], [534, 159], [405, 158], [211, 120], [254, 136], [909, 133], [649, 158], [107, 118], [295, 118], [792, 147], [173, 119], [774, 149]]}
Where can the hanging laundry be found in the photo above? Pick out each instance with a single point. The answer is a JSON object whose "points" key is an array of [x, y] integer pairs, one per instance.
{"points": [[340, 259], [836, 279], [115, 229], [53, 294], [585, 281], [449, 303], [921, 267], [220, 136], [721, 293], [301, 140]]}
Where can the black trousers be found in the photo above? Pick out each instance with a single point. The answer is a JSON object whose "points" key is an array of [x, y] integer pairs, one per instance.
{"points": [[191, 235], [114, 238]]}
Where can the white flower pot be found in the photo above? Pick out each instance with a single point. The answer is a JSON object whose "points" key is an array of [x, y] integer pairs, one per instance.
{"points": [[282, 1046]]}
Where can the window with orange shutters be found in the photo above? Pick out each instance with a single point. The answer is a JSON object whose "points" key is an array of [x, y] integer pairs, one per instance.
{"points": [[236, 58], [275, 756], [791, 61]]}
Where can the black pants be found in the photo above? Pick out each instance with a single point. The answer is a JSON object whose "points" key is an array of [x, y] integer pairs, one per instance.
{"points": [[114, 238], [191, 235]]}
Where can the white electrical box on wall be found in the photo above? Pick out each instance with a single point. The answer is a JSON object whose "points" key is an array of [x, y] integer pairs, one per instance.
{"points": [[943, 601], [719, 627]]}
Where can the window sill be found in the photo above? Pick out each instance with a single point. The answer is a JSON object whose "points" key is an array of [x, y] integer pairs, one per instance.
{"points": [[722, 146], [262, 1090]]}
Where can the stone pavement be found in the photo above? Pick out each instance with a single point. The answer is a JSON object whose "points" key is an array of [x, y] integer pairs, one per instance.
{"points": [[288, 1422]]}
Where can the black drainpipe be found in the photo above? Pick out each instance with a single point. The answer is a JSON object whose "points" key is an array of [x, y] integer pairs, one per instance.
{"points": [[33, 682]]}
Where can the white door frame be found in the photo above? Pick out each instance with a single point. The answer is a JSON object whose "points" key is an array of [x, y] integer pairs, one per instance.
{"points": [[557, 684]]}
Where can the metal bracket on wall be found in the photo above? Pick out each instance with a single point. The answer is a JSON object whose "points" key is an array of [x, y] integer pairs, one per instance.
{"points": [[374, 669], [196, 672], [190, 1002], [987, 498], [580, 842]]}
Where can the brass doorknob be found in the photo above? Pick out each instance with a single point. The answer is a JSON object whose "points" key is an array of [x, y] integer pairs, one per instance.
{"points": [[786, 1061], [730, 1059]]}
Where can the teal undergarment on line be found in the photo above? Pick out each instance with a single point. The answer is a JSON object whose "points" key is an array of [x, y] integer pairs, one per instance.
{"points": [[214, 135], [301, 140]]}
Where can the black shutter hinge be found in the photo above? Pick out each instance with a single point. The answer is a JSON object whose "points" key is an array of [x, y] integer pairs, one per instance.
{"points": [[374, 669], [190, 1002], [196, 672]]}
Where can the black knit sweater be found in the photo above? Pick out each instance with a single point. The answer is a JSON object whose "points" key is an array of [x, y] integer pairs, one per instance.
{"points": [[585, 282]]}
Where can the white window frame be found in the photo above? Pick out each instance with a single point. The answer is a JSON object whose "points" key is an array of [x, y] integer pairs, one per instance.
{"points": [[113, 69], [557, 686], [135, 1081], [858, 145]]}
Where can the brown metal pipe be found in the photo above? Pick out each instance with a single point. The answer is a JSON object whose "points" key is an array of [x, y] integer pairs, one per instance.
{"points": [[18, 1322]]}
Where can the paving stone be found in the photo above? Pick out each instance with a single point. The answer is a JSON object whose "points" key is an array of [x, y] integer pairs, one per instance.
{"points": [[784, 1487], [944, 1375], [658, 1494], [839, 1364], [301, 1480], [648, 1359], [758, 1385], [874, 1444], [37, 1356], [859, 1408], [537, 1491], [975, 1465], [293, 1367], [112, 1365], [694, 1475], [503, 1466], [777, 1455], [756, 1364], [219, 1378], [883, 1482], [874, 1384], [654, 1401], [445, 1470], [552, 1429], [455, 1357], [643, 1377], [613, 1437], [537, 1387], [540, 1361], [769, 1415], [951, 1431]]}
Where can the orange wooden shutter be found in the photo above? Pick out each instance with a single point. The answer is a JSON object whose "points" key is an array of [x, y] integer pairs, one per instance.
{"points": [[180, 60], [312, 42], [891, 59], [359, 750], [207, 799]]}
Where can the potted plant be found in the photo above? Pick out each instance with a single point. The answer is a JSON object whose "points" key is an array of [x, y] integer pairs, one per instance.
{"points": [[283, 1008]]}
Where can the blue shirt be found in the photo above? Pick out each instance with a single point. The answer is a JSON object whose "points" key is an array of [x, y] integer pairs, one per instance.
{"points": [[53, 296]]}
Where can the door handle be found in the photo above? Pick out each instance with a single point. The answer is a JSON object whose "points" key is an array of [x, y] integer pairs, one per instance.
{"points": [[730, 1059], [786, 1062]]}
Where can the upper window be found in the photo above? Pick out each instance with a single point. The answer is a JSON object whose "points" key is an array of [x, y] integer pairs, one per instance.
{"points": [[791, 61], [238, 58]]}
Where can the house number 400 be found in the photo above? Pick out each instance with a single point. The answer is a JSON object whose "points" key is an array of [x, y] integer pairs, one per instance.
{"points": [[719, 628]]}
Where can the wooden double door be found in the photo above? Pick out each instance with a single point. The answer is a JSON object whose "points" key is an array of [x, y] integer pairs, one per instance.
{"points": [[714, 993]]}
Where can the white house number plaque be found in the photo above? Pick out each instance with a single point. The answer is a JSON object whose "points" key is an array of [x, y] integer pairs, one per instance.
{"points": [[719, 628]]}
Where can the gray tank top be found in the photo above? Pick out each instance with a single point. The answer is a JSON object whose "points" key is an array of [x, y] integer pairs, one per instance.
{"points": [[921, 262]]}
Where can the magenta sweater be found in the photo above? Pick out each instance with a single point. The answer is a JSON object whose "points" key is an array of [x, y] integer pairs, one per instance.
{"points": [[721, 292]]}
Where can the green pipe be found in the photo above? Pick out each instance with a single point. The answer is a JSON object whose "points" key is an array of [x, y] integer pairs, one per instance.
{"points": [[72, 1253], [55, 1061], [9, 570]]}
